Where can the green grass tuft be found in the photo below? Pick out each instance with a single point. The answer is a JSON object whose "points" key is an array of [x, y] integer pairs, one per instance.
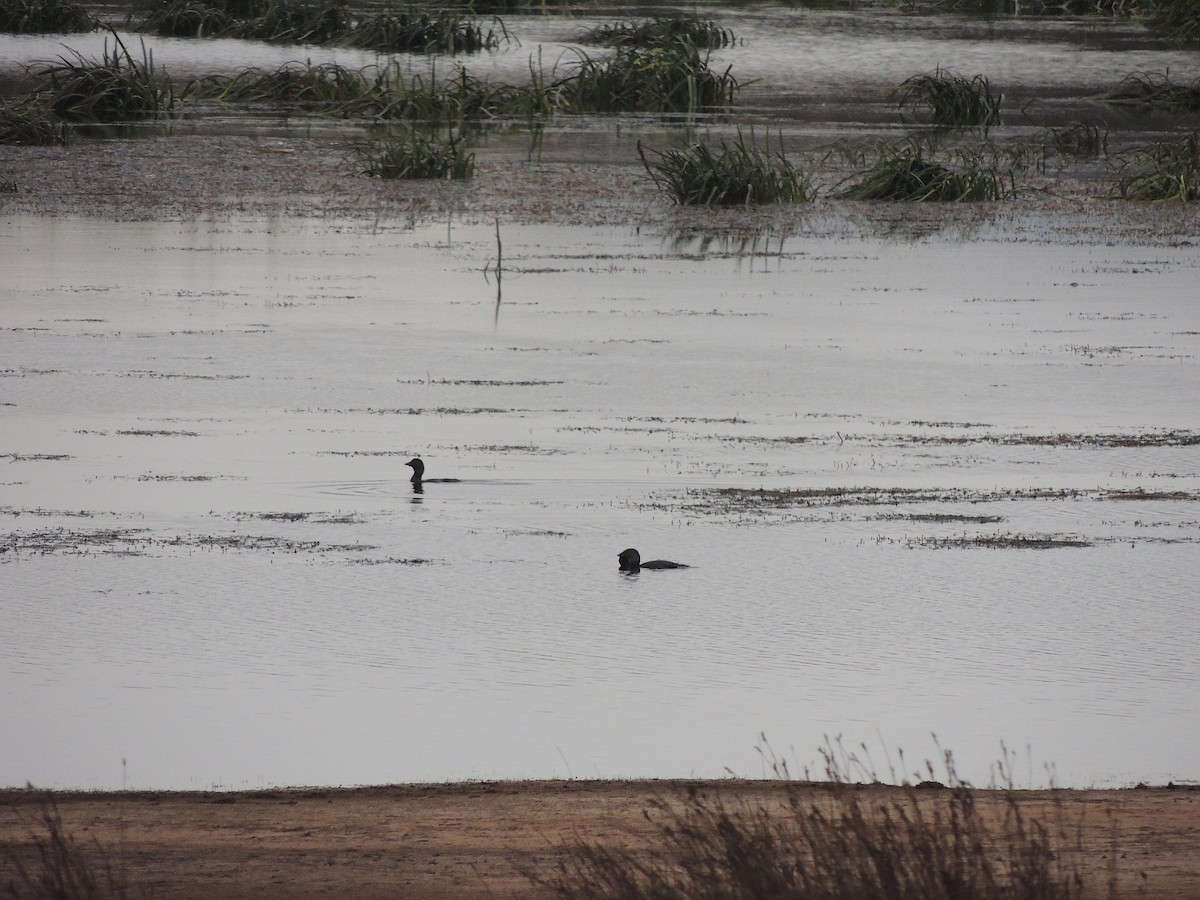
{"points": [[668, 78], [26, 122], [417, 155], [904, 174], [45, 17], [416, 30], [949, 100], [1154, 90], [1166, 170], [114, 89], [734, 173], [702, 33]]}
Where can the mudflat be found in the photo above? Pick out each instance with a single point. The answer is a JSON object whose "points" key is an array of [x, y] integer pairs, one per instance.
{"points": [[483, 840]]}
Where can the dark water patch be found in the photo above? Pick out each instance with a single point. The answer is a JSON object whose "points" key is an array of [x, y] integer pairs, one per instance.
{"points": [[185, 375], [150, 476], [156, 432], [728, 500], [478, 382], [1003, 542], [1140, 494], [389, 561]]}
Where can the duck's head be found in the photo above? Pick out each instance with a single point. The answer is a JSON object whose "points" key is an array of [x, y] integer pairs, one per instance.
{"points": [[630, 560], [418, 468]]}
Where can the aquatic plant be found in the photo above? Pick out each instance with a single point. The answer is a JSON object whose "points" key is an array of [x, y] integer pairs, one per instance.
{"points": [[45, 17], [731, 174], [299, 22], [461, 97], [28, 122], [672, 77], [905, 174], [416, 30], [414, 154], [116, 88], [1177, 19], [1164, 170], [950, 100], [1153, 90], [187, 18], [703, 33], [325, 87], [1079, 140], [834, 839]]}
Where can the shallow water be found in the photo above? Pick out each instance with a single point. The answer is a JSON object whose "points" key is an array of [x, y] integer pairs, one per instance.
{"points": [[215, 573]]}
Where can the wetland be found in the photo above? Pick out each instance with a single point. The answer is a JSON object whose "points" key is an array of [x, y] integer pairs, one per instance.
{"points": [[935, 467]]}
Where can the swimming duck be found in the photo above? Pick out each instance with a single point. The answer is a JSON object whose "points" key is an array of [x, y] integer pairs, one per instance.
{"points": [[631, 562], [418, 476]]}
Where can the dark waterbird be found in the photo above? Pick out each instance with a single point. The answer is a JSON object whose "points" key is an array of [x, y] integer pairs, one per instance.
{"points": [[631, 562], [418, 476]]}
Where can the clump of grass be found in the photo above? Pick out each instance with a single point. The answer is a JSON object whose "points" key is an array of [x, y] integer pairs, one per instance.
{"points": [[116, 88], [461, 97], [325, 87], [45, 17], [668, 78], [1165, 170], [703, 33], [187, 18], [299, 22], [58, 866], [417, 155], [905, 174], [950, 100], [1178, 19], [1153, 90], [1080, 140], [836, 840], [27, 122], [731, 174], [417, 30]]}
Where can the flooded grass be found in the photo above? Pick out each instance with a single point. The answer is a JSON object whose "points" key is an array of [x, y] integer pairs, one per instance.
{"points": [[950, 100], [114, 89], [28, 122], [666, 78], [1003, 542], [1164, 170], [1153, 90], [45, 17], [426, 31], [737, 172], [905, 174], [660, 30], [416, 154]]}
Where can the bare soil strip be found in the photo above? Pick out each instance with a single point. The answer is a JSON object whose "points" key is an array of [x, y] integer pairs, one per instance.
{"points": [[474, 840]]}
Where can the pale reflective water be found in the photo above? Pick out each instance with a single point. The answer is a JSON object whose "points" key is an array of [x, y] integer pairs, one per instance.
{"points": [[215, 571]]}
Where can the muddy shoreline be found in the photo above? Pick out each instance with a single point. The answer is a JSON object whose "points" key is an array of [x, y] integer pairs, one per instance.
{"points": [[476, 839]]}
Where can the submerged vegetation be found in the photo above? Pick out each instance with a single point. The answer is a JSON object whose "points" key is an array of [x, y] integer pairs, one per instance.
{"points": [[414, 154], [904, 173], [1164, 170], [1154, 90], [832, 840], [27, 122], [950, 100], [672, 77], [1178, 19], [734, 173], [45, 17], [117, 88], [390, 29], [702, 33]]}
